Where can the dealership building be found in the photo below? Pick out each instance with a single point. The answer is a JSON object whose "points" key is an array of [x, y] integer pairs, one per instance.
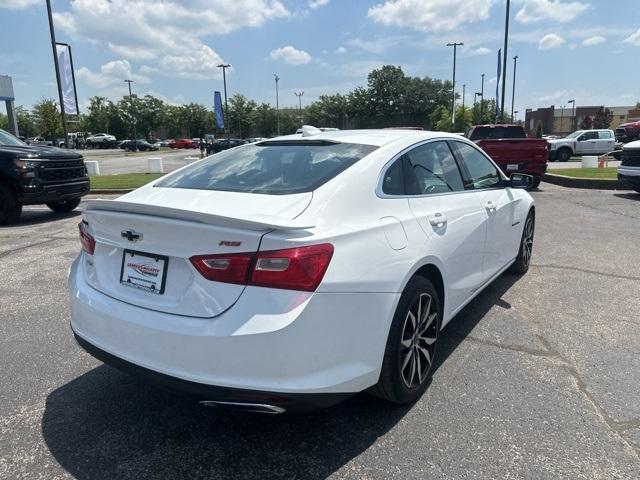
{"points": [[561, 121]]}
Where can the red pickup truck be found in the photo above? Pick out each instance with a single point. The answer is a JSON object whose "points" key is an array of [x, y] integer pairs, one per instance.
{"points": [[510, 148]]}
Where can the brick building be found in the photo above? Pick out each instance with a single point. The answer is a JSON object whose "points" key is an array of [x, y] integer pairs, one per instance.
{"points": [[561, 121]]}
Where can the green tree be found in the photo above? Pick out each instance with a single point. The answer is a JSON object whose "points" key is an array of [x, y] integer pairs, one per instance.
{"points": [[4, 121], [240, 116], [264, 120], [441, 119], [26, 123], [47, 118], [98, 115], [463, 119]]}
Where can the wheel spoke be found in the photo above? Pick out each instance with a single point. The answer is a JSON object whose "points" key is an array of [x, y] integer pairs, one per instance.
{"points": [[412, 317], [426, 354], [428, 340], [413, 370], [419, 366], [428, 323], [406, 343], [407, 359]]}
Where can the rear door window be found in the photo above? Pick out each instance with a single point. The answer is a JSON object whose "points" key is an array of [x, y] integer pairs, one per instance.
{"points": [[274, 168]]}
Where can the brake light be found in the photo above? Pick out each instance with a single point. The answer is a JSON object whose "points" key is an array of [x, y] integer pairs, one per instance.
{"points": [[232, 268], [300, 268], [86, 239]]}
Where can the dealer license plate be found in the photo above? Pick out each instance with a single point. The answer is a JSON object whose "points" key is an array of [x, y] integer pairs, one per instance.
{"points": [[512, 166], [145, 271]]}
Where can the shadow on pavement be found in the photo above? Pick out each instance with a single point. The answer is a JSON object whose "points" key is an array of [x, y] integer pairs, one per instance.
{"points": [[105, 424], [628, 196], [37, 217]]}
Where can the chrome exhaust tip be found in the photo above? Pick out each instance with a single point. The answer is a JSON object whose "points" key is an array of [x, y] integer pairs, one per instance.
{"points": [[246, 407]]}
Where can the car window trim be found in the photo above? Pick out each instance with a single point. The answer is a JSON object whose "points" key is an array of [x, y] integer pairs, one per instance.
{"points": [[380, 185], [467, 176]]}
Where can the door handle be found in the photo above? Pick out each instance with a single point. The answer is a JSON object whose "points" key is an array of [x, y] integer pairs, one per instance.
{"points": [[438, 220], [490, 206]]}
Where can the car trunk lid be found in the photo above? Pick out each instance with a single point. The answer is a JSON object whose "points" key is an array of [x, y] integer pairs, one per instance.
{"points": [[142, 249]]}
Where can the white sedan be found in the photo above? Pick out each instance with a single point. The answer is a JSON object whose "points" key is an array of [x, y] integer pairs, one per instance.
{"points": [[292, 273]]}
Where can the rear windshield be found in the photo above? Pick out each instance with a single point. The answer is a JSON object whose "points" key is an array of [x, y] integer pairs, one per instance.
{"points": [[277, 169], [484, 133]]}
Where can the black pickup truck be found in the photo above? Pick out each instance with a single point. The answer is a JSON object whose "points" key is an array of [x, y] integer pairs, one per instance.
{"points": [[33, 175]]}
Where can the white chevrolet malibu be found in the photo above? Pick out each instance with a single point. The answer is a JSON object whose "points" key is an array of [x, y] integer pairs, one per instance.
{"points": [[291, 273]]}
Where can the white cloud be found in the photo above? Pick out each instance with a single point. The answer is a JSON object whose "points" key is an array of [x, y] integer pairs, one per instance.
{"points": [[379, 45], [17, 4], [110, 73], [169, 32], [341, 50], [633, 39], [290, 55], [595, 40], [432, 15], [551, 41], [478, 51], [556, 10], [317, 3]]}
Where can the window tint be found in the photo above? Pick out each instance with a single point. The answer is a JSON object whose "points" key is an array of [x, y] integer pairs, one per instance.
{"points": [[276, 169], [588, 136], [393, 181], [482, 173], [604, 135], [435, 169]]}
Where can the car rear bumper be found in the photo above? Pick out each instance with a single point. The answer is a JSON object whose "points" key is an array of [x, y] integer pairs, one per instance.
{"points": [[271, 342], [45, 193], [630, 176], [535, 169]]}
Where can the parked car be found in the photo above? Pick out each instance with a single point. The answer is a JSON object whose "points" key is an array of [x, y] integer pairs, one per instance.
{"points": [[37, 174], [101, 140], [221, 144], [315, 267], [165, 143], [142, 145], [629, 169], [39, 141], [582, 142], [183, 143], [510, 148], [628, 132]]}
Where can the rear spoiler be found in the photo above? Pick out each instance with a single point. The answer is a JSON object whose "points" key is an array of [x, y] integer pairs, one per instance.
{"points": [[257, 222]]}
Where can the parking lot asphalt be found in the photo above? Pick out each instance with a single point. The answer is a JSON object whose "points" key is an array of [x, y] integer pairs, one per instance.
{"points": [[539, 377], [116, 161]]}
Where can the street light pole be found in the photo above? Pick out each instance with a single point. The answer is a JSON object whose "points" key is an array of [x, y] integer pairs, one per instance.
{"points": [[277, 106], [482, 96], [573, 115], [55, 65], [453, 100], [513, 92], [504, 60], [224, 67], [133, 117], [561, 118], [299, 95]]}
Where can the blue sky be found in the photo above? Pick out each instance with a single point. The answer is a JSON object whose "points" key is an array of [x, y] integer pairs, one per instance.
{"points": [[582, 49]]}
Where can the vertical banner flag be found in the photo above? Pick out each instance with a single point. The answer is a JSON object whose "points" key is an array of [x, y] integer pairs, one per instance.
{"points": [[67, 79], [498, 83], [217, 108]]}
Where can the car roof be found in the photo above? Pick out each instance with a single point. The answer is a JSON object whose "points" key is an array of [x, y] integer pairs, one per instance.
{"points": [[375, 137]]}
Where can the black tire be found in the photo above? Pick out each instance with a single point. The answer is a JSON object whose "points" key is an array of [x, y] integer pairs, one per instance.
{"points": [[64, 206], [10, 207], [536, 183], [405, 346], [523, 260], [563, 155]]}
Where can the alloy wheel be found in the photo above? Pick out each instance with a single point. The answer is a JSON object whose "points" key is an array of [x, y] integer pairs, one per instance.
{"points": [[419, 335], [527, 241]]}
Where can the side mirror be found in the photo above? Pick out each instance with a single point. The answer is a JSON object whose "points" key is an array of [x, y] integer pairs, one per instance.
{"points": [[520, 180]]}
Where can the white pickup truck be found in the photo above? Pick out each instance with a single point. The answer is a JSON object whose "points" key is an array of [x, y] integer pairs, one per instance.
{"points": [[582, 142]]}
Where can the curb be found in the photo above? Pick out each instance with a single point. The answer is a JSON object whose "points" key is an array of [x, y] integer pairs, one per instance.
{"points": [[590, 183], [109, 190]]}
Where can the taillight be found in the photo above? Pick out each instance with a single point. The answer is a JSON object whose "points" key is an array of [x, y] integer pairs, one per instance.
{"points": [[300, 268], [232, 268], [86, 239]]}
